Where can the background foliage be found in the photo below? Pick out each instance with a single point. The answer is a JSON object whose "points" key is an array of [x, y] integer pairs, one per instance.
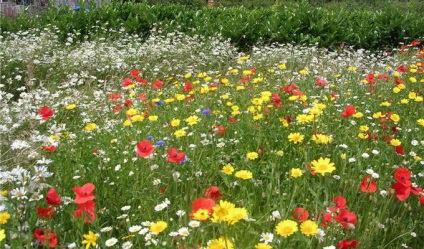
{"points": [[374, 26]]}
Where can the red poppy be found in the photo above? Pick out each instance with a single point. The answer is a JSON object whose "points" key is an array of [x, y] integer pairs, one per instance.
{"points": [[399, 81], [301, 214], [344, 244], [45, 213], [320, 82], [415, 43], [368, 185], [220, 130], [346, 218], [232, 120], [297, 93], [334, 95], [142, 96], [86, 210], [340, 202], [52, 197], [144, 149], [45, 112], [402, 69], [384, 77], [327, 218], [50, 148], [128, 103], [84, 193], [370, 78], [174, 156], [245, 79], [116, 108], [157, 84], [213, 193], [403, 175], [143, 82], [289, 88], [421, 199], [135, 73], [349, 111], [402, 191], [46, 237], [126, 82], [202, 203], [399, 150], [187, 87], [276, 100], [114, 96]]}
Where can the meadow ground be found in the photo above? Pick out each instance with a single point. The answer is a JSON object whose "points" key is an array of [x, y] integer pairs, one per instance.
{"points": [[184, 142]]}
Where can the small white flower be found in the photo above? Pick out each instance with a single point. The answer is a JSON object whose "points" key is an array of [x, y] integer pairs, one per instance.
{"points": [[127, 245], [19, 144], [183, 232], [180, 213], [375, 175], [375, 152], [111, 242], [320, 235], [276, 214], [106, 229], [267, 237], [370, 171], [194, 223], [160, 207], [365, 155], [72, 245], [125, 208], [134, 229]]}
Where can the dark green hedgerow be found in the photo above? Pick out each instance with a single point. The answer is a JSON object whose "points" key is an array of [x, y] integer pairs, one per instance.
{"points": [[300, 22]]}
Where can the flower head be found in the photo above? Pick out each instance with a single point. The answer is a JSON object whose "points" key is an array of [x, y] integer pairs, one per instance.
{"points": [[213, 193], [244, 174], [323, 166], [296, 137], [309, 228], [252, 155], [286, 228], [144, 149], [84, 193], [45, 112], [90, 239], [175, 157], [158, 227], [346, 218], [52, 197], [221, 243]]}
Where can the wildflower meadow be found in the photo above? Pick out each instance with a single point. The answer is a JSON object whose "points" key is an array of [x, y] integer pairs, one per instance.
{"points": [[180, 141]]}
